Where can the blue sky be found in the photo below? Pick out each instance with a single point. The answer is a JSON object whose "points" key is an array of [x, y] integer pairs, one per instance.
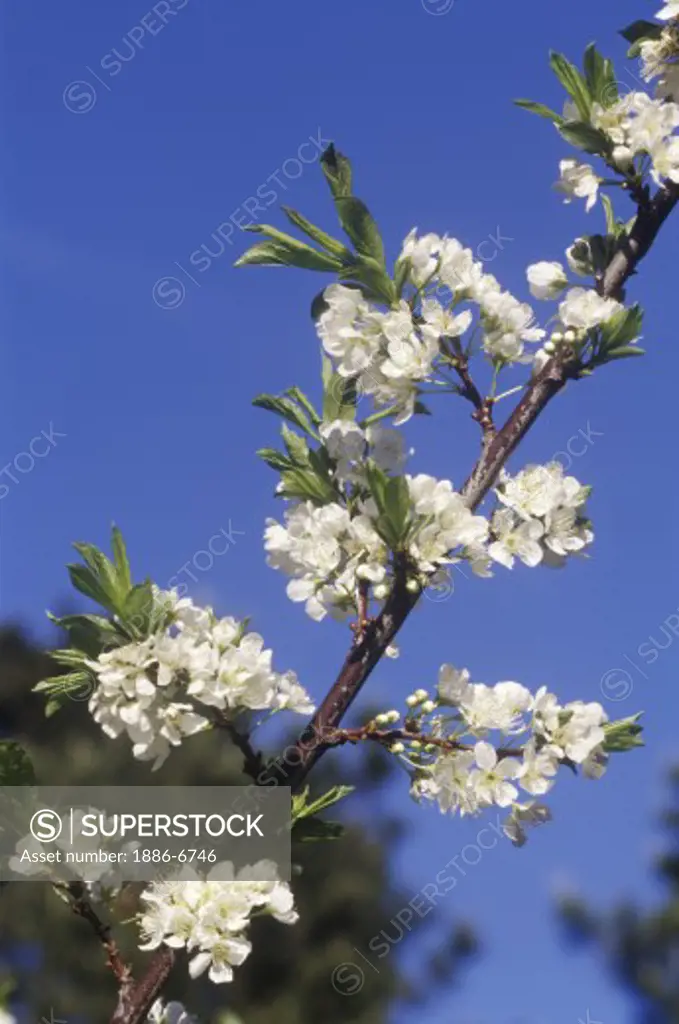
{"points": [[115, 173]]}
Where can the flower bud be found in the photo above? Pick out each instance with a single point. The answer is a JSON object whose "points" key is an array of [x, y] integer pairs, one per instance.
{"points": [[428, 707], [397, 748], [421, 694], [570, 337], [412, 586]]}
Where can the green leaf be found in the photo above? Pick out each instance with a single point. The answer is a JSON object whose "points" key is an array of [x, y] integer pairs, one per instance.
{"points": [[372, 280], [308, 485], [314, 830], [611, 222], [275, 459], [139, 608], [290, 253], [361, 228], [337, 171], [585, 137], [392, 498], [86, 582], [401, 273], [121, 561], [573, 82], [70, 656], [301, 399], [600, 76], [15, 765], [333, 245], [623, 735], [88, 634], [398, 505], [340, 398], [541, 110], [298, 449], [286, 408], [623, 328], [624, 352]]}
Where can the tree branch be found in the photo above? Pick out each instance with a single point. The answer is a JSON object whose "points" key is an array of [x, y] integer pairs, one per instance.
{"points": [[83, 908], [379, 633], [360, 662]]}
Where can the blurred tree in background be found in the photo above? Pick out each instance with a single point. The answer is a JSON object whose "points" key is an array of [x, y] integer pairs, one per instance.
{"points": [[345, 897], [640, 945]]}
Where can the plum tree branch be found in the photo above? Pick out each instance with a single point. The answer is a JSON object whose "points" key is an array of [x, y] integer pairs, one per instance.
{"points": [[545, 385], [364, 655]]}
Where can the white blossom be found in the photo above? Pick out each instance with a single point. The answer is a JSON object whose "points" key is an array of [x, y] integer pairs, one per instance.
{"points": [[489, 779], [328, 550], [514, 537], [584, 309], [209, 919], [149, 689], [546, 280], [578, 180], [541, 517], [466, 770]]}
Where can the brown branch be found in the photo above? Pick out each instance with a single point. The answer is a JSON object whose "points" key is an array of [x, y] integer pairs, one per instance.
{"points": [[483, 407], [135, 1002], [379, 633], [81, 905], [387, 737]]}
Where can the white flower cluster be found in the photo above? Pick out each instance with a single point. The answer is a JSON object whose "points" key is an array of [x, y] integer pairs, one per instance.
{"points": [[480, 774], [637, 125], [168, 1013], [541, 518], [581, 310], [329, 551], [393, 353], [210, 919], [150, 689], [444, 262]]}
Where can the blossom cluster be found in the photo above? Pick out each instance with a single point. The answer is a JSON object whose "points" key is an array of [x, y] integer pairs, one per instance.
{"points": [[209, 919], [332, 551], [393, 353], [637, 125], [541, 517], [581, 311], [467, 777], [158, 690]]}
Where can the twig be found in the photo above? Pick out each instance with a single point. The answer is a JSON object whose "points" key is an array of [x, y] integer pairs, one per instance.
{"points": [[387, 737], [483, 407], [83, 908]]}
